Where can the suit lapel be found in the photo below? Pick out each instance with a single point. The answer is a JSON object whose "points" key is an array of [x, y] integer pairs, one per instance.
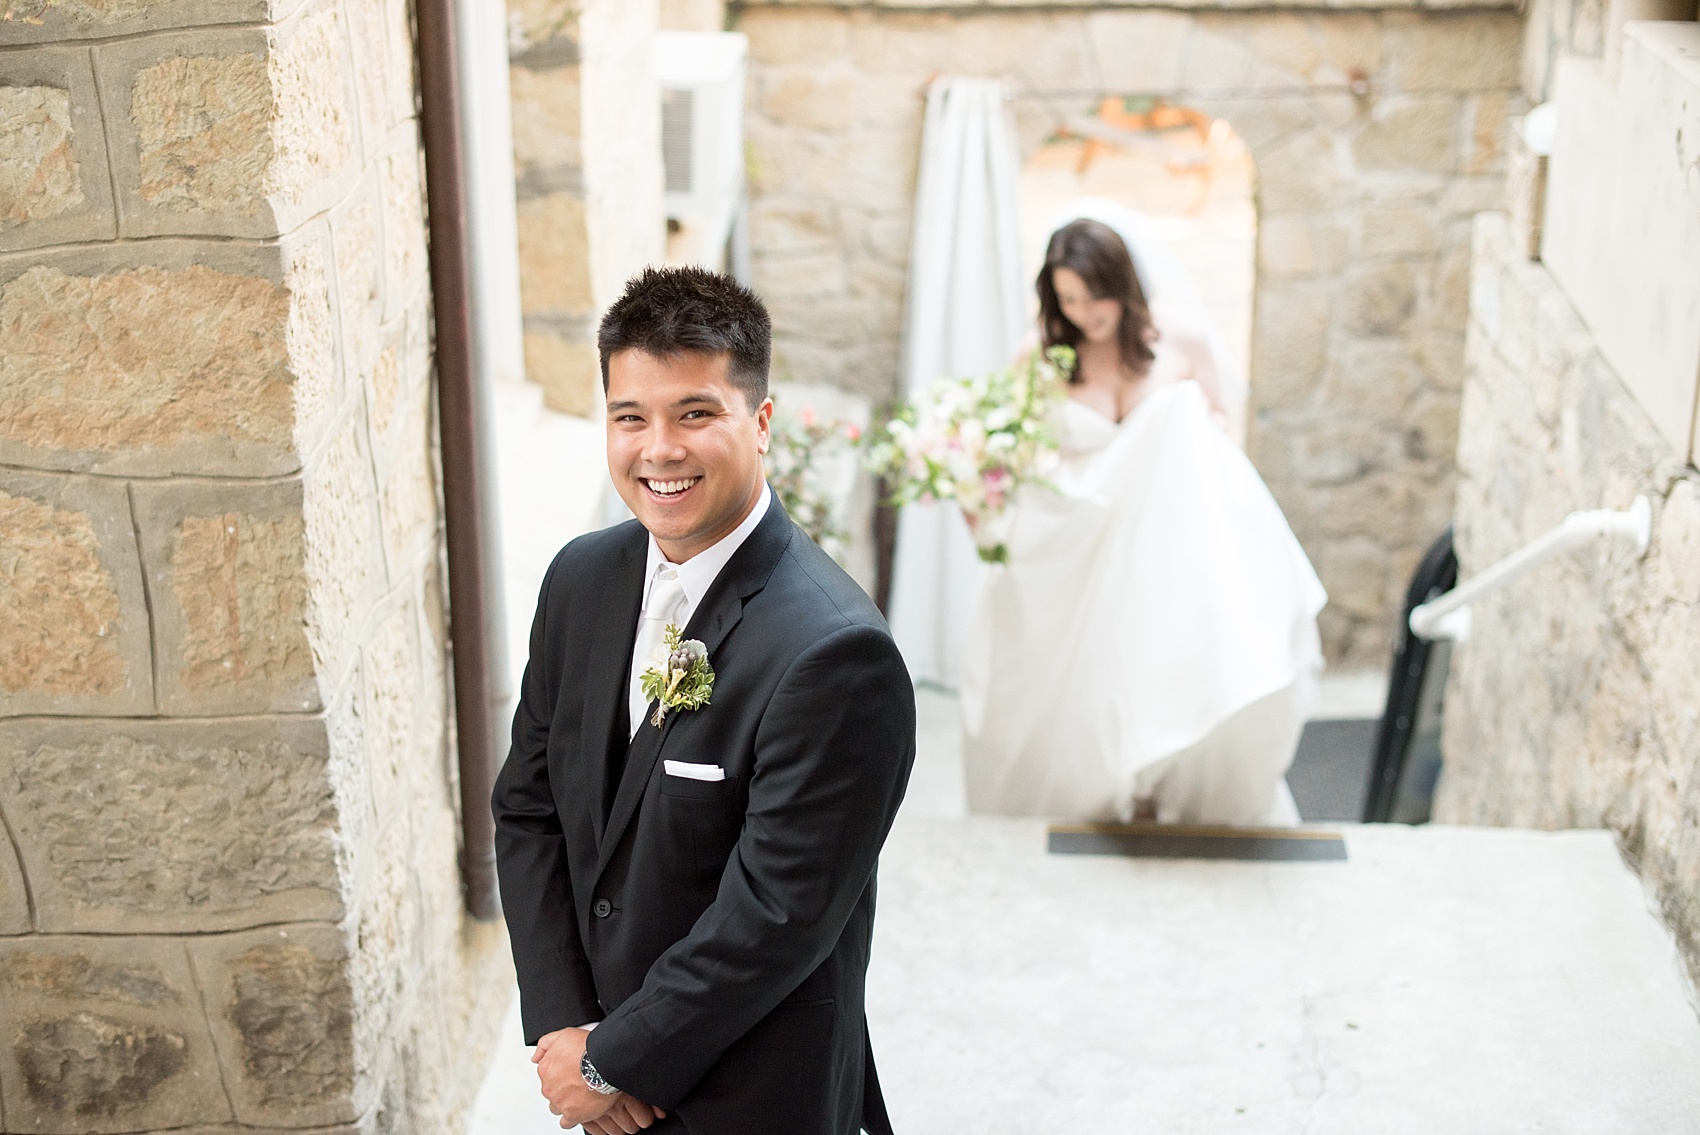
{"points": [[609, 666], [745, 574]]}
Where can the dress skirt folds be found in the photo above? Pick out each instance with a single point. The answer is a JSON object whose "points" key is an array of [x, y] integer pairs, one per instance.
{"points": [[1153, 635]]}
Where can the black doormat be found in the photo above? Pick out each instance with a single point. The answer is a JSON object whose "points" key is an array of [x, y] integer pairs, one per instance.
{"points": [[1330, 772], [1186, 841]]}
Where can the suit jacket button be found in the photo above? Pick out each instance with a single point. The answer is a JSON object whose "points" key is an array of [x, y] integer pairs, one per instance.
{"points": [[603, 908]]}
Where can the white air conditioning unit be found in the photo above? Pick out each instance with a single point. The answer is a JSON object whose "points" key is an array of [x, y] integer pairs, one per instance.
{"points": [[701, 76]]}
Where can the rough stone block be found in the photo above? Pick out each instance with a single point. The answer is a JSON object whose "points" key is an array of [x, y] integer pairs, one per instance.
{"points": [[1476, 51], [392, 688], [163, 358], [568, 372], [54, 184], [1299, 174], [226, 570], [1679, 543], [1138, 50], [909, 44], [1381, 300], [781, 38], [357, 250], [232, 133], [409, 497], [1410, 133], [538, 24], [1396, 231], [14, 891], [1224, 54], [400, 70], [1285, 246], [554, 255], [387, 972], [548, 116], [345, 567], [73, 612], [283, 1017], [810, 100], [1489, 136], [51, 21], [104, 1035], [368, 39], [157, 827], [407, 269], [1288, 342]]}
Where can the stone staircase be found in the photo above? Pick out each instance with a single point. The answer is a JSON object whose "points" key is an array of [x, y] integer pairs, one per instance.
{"points": [[1437, 981]]}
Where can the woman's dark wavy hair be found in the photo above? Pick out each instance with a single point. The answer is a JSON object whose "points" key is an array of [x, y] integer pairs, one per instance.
{"points": [[1095, 253], [689, 310]]}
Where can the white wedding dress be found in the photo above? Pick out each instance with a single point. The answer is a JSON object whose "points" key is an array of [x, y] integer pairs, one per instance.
{"points": [[1153, 635]]}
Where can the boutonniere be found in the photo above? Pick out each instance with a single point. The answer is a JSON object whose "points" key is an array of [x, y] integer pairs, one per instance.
{"points": [[681, 679]]}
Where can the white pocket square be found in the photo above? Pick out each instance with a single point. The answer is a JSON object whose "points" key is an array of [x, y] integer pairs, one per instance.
{"points": [[693, 772]]}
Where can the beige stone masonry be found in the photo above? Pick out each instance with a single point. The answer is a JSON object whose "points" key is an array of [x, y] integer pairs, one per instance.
{"points": [[54, 184], [1573, 702], [908, 6], [14, 895], [234, 133], [229, 892], [229, 588], [51, 21], [73, 611], [283, 1022], [104, 1036], [344, 557], [585, 223], [1364, 207], [247, 376], [203, 825]]}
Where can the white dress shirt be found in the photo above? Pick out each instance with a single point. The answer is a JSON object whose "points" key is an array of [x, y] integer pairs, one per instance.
{"points": [[696, 575]]}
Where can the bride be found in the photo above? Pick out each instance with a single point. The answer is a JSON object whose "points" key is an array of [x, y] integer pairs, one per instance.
{"points": [[1150, 649]]}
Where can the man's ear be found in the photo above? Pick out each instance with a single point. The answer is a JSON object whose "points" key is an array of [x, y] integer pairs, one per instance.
{"points": [[764, 425]]}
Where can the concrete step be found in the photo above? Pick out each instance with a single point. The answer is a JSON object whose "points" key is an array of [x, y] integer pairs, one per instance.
{"points": [[1437, 980]]}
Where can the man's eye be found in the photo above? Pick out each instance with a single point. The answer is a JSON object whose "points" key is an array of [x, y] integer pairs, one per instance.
{"points": [[697, 414]]}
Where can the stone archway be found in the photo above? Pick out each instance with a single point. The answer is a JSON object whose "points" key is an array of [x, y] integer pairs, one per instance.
{"points": [[1376, 136]]}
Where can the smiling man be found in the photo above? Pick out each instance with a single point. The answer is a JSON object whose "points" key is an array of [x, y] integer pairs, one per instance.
{"points": [[714, 733]]}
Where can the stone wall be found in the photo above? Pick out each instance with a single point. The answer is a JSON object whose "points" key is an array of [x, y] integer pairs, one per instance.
{"points": [[587, 165], [1573, 704], [229, 897], [1364, 208]]}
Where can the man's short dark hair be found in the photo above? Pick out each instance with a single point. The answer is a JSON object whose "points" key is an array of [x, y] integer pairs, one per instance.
{"points": [[672, 311]]}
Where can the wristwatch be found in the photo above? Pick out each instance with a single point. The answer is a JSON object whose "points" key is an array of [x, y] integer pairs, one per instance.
{"points": [[593, 1079]]}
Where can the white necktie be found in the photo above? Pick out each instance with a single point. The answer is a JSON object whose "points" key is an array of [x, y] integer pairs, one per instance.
{"points": [[666, 594]]}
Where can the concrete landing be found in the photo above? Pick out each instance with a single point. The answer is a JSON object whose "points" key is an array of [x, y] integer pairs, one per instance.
{"points": [[1439, 981]]}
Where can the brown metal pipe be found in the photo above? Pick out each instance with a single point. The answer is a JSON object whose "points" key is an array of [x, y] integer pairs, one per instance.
{"points": [[451, 290]]}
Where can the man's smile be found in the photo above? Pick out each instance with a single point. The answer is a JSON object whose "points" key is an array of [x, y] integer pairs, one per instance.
{"points": [[671, 489]]}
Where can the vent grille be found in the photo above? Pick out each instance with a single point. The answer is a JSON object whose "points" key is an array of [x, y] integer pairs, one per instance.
{"points": [[678, 110]]}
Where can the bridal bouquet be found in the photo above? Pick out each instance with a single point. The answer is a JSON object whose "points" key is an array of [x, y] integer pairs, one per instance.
{"points": [[975, 441]]}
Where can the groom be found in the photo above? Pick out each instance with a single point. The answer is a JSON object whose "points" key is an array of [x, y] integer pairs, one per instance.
{"points": [[690, 891]]}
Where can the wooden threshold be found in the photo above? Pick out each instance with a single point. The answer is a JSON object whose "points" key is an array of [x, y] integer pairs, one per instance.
{"points": [[1200, 841]]}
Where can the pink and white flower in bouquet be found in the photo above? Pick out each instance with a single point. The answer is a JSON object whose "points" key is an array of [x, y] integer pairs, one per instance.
{"points": [[976, 441]]}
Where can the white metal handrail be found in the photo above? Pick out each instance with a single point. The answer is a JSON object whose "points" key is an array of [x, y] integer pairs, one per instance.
{"points": [[1448, 616]]}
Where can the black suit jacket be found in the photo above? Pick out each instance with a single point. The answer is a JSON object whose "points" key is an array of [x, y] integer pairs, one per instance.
{"points": [[719, 931]]}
